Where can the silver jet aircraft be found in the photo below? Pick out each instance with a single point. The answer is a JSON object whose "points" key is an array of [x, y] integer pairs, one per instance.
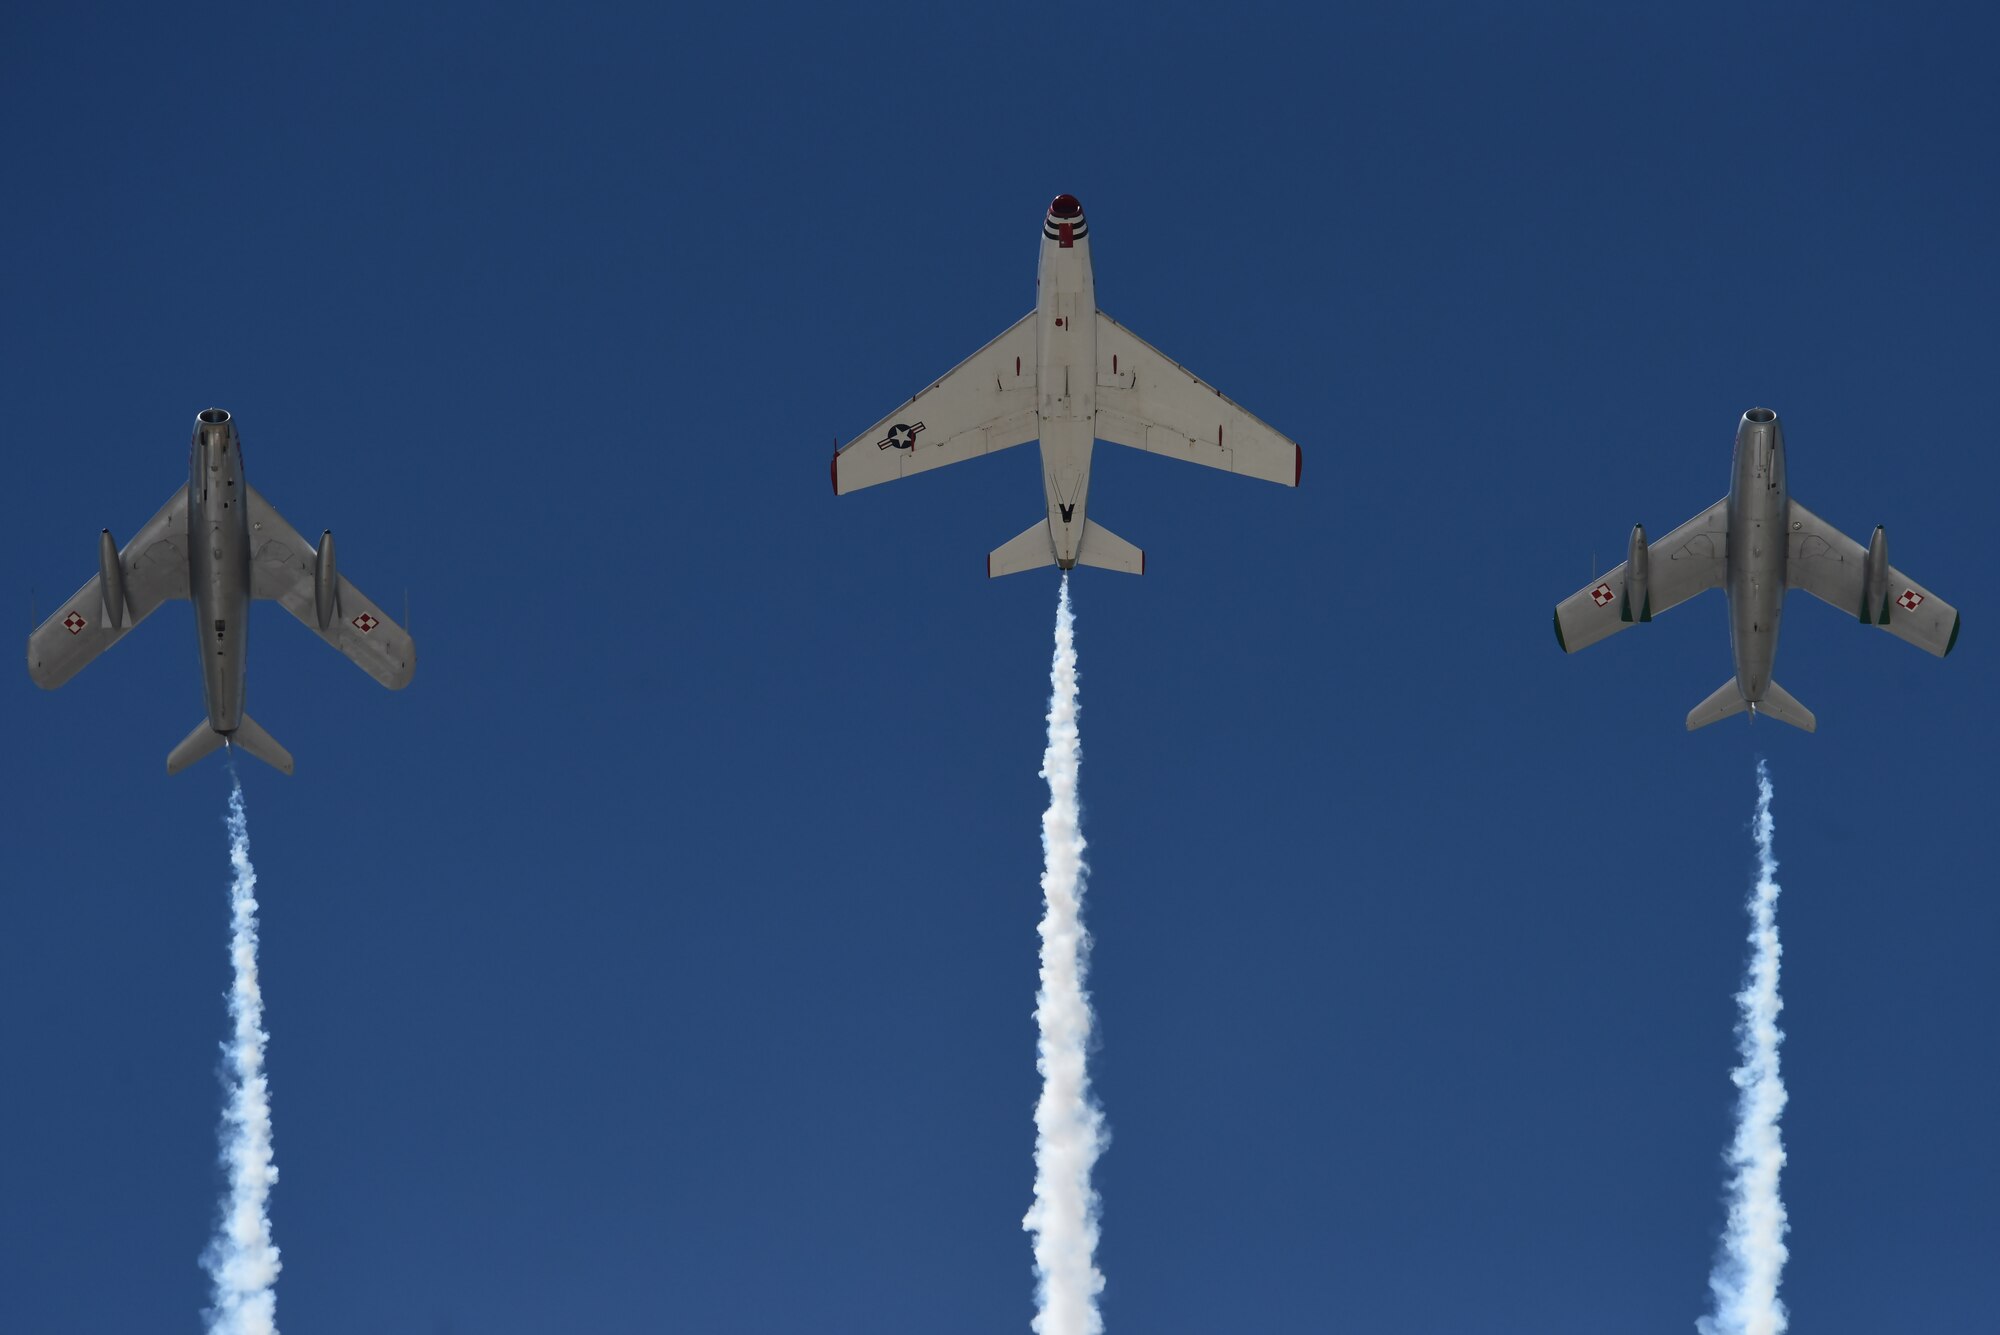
{"points": [[1069, 375], [1755, 543], [219, 543]]}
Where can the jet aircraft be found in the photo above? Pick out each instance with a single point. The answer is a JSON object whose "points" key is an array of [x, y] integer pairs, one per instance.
{"points": [[1754, 544], [1068, 375], [219, 543]]}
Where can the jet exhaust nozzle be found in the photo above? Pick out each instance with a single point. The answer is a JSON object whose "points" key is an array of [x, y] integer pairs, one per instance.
{"points": [[1875, 580], [116, 613], [326, 582], [1638, 604]]}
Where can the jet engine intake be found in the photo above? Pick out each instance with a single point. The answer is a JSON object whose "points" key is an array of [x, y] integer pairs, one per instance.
{"points": [[1875, 580], [1638, 605], [116, 615], [326, 582]]}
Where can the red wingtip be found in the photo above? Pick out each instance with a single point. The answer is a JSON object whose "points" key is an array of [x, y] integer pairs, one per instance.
{"points": [[833, 471], [1298, 463], [989, 565]]}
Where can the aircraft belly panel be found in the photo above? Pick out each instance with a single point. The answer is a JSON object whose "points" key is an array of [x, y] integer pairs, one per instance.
{"points": [[1066, 448], [220, 541], [1758, 544]]}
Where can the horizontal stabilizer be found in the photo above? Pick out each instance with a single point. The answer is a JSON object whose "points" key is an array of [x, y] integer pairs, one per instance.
{"points": [[253, 739], [1725, 703], [1107, 551], [1778, 704], [1030, 551], [194, 746]]}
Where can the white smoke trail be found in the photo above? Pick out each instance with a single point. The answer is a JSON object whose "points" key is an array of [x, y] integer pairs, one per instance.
{"points": [[1746, 1276], [241, 1260], [1069, 1128]]}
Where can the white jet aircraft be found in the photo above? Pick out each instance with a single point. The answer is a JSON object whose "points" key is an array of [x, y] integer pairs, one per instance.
{"points": [[1069, 375]]}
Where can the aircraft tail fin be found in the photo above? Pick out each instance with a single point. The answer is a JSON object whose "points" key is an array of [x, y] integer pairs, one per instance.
{"points": [[1033, 549], [1104, 549], [194, 746], [1030, 551], [1727, 702], [1778, 704], [260, 744]]}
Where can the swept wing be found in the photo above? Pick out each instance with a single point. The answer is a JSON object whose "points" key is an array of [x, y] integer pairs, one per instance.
{"points": [[1149, 401], [1691, 559], [985, 403], [1833, 568], [154, 567], [283, 566]]}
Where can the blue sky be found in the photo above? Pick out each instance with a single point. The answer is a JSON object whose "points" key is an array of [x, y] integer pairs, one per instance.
{"points": [[663, 958]]}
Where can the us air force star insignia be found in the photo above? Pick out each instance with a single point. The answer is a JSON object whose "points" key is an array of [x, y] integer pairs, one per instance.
{"points": [[1911, 600], [1602, 594], [901, 437]]}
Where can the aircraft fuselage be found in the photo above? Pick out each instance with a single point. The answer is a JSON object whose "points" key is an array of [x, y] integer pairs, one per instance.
{"points": [[1066, 371], [219, 564], [1759, 512]]}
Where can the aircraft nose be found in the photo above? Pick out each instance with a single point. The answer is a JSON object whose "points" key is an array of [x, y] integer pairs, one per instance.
{"points": [[212, 424], [1064, 224]]}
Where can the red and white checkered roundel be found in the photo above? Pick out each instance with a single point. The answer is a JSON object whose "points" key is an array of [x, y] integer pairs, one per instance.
{"points": [[1911, 600], [74, 623], [1602, 594], [365, 623]]}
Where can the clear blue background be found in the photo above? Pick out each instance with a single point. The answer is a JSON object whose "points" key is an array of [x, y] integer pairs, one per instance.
{"points": [[663, 958]]}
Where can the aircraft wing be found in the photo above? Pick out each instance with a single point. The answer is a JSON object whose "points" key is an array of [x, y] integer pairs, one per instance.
{"points": [[1833, 568], [1149, 401], [155, 568], [1691, 559], [985, 403], [283, 566]]}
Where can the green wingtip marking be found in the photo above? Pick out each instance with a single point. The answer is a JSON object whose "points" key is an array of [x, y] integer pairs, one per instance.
{"points": [[1948, 646], [1565, 643]]}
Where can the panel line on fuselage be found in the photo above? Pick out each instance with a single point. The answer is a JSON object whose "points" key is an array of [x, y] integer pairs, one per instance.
{"points": [[1758, 511], [219, 569], [1066, 355]]}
